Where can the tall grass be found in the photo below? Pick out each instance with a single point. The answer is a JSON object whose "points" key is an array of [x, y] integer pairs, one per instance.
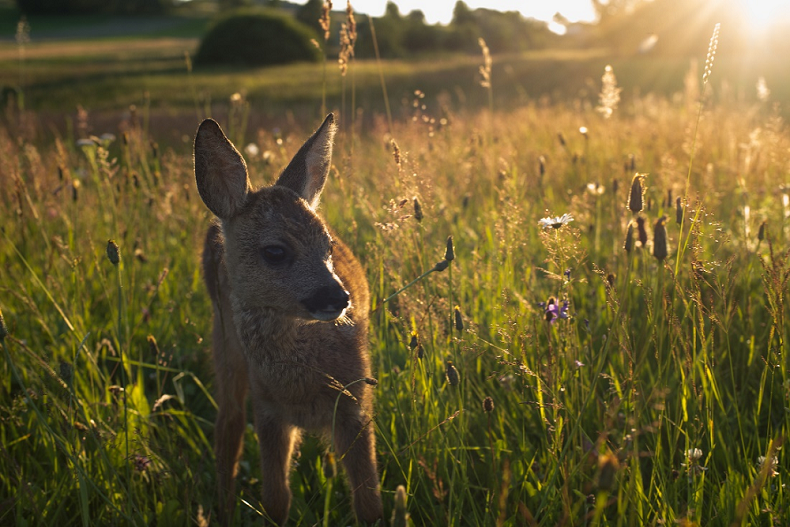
{"points": [[658, 396]]}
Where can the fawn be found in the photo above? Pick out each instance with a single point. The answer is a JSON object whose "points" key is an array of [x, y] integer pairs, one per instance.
{"points": [[290, 323]]}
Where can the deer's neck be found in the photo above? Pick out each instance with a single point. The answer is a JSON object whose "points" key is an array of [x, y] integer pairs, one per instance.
{"points": [[266, 334]]}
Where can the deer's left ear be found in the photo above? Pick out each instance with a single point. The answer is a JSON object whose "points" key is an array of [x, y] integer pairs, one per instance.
{"points": [[307, 171]]}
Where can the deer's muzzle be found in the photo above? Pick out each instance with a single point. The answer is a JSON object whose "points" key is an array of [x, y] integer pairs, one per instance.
{"points": [[327, 303]]}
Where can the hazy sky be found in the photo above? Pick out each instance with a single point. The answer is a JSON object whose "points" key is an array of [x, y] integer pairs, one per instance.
{"points": [[442, 10]]}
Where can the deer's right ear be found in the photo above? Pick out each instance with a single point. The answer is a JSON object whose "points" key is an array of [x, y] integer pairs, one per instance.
{"points": [[220, 171]]}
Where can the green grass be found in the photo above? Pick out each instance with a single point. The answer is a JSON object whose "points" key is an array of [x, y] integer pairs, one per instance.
{"points": [[596, 418]]}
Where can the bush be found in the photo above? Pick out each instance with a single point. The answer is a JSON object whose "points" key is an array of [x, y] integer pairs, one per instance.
{"points": [[75, 7], [257, 37]]}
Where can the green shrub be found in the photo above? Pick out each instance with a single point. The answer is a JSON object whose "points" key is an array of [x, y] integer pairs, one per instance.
{"points": [[257, 37]]}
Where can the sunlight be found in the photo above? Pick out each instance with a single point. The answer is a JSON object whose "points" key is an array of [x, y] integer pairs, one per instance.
{"points": [[760, 15]]}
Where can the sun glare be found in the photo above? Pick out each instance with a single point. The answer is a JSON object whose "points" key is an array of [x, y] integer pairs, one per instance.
{"points": [[760, 15]]}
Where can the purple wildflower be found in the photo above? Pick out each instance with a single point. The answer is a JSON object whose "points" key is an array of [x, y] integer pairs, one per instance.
{"points": [[553, 311]]}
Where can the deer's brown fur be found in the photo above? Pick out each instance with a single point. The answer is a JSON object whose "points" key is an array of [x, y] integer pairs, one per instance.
{"points": [[290, 322]]}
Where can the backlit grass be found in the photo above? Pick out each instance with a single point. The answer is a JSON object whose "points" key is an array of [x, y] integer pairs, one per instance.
{"points": [[661, 399]]}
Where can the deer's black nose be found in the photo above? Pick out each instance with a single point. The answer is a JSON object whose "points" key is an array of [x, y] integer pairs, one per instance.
{"points": [[327, 300]]}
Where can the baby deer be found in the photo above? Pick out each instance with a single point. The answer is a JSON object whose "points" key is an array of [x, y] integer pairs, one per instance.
{"points": [[290, 322]]}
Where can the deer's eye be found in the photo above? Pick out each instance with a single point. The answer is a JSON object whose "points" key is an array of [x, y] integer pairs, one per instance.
{"points": [[275, 254]]}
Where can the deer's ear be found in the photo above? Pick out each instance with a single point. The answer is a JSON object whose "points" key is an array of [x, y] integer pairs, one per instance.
{"points": [[220, 171], [307, 171]]}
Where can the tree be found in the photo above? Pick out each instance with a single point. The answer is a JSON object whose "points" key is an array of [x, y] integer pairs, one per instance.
{"points": [[462, 15], [310, 13], [74, 7]]}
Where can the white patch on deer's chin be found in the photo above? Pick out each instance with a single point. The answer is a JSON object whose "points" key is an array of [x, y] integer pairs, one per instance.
{"points": [[328, 315]]}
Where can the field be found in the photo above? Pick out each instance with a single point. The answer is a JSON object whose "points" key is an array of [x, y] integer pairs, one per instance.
{"points": [[563, 374]]}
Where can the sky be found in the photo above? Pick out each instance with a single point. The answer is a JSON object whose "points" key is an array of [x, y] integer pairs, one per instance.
{"points": [[442, 10]]}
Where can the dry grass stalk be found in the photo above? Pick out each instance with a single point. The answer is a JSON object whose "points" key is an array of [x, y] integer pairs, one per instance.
{"points": [[610, 93]]}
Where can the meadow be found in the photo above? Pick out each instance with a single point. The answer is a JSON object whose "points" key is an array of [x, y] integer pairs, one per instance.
{"points": [[623, 368]]}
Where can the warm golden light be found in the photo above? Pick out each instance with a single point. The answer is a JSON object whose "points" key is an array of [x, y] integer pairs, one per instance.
{"points": [[760, 15]]}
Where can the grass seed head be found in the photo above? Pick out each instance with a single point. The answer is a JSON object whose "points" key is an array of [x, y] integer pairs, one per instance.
{"points": [[488, 405], [449, 253], [3, 328], [762, 230], [485, 68], [641, 231], [714, 43], [400, 516], [660, 250], [629, 238], [325, 18], [636, 199], [113, 252], [153, 346], [417, 209], [678, 211], [610, 93], [608, 465], [66, 371], [451, 372], [330, 465]]}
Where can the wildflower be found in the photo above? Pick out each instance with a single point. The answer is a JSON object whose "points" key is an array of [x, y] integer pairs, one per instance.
{"points": [[113, 252], [451, 372], [252, 150], [596, 189], [488, 405], [637, 195], [141, 463], [555, 222], [610, 93], [567, 274], [578, 363], [552, 311], [583, 131], [773, 465], [693, 455], [660, 250]]}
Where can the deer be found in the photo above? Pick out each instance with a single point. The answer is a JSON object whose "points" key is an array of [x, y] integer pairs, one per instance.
{"points": [[291, 307]]}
